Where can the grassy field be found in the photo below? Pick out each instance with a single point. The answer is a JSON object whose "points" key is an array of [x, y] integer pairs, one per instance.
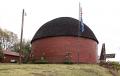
{"points": [[52, 70]]}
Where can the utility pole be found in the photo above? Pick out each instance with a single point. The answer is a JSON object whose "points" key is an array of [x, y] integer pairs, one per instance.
{"points": [[22, 25], [80, 29], [79, 33]]}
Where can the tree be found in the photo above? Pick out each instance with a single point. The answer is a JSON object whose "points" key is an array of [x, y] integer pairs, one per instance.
{"points": [[7, 39], [26, 49], [1, 54]]}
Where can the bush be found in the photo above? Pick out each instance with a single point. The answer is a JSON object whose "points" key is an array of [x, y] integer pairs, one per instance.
{"points": [[68, 62], [115, 65], [1, 55], [41, 61], [111, 65]]}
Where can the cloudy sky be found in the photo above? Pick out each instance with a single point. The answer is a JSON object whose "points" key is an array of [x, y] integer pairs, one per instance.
{"points": [[102, 16]]}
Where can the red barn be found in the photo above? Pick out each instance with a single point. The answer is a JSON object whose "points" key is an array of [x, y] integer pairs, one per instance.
{"points": [[60, 39], [10, 56]]}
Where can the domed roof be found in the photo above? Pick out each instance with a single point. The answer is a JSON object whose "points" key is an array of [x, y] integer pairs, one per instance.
{"points": [[63, 26]]}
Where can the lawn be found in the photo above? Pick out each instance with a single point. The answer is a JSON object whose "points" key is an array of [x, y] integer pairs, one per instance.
{"points": [[52, 70]]}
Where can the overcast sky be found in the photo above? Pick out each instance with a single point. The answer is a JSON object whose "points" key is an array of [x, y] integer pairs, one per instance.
{"points": [[102, 16]]}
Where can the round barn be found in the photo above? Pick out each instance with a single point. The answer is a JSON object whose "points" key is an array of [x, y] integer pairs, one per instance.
{"points": [[61, 40]]}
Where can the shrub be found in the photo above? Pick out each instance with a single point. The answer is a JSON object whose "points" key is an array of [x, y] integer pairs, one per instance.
{"points": [[68, 62], [1, 55], [115, 65], [41, 61], [111, 65]]}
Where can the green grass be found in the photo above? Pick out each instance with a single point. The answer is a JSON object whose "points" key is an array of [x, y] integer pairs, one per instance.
{"points": [[52, 70]]}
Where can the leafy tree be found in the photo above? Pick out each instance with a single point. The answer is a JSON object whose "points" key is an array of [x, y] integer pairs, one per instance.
{"points": [[1, 53], [26, 49], [7, 39]]}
